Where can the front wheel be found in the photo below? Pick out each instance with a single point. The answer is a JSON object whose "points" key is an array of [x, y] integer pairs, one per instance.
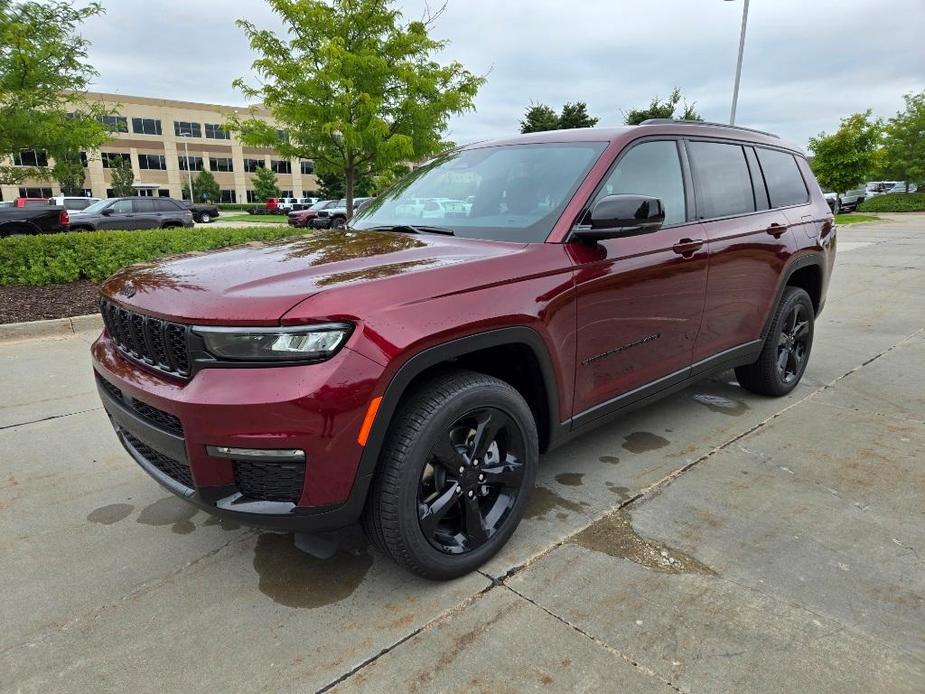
{"points": [[338, 223], [786, 349], [205, 218], [455, 472]]}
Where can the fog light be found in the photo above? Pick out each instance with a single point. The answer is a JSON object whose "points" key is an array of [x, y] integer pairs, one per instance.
{"points": [[293, 455]]}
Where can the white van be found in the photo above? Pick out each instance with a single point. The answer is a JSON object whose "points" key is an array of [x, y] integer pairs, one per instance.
{"points": [[72, 202]]}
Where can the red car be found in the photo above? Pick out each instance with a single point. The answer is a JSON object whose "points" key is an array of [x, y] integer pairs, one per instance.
{"points": [[302, 218], [409, 371]]}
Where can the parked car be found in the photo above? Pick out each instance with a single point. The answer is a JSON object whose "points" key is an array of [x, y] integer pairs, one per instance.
{"points": [[291, 204], [72, 202], [335, 217], [409, 375], [874, 188], [32, 219], [850, 199], [203, 213], [301, 218], [132, 213], [900, 187], [833, 200]]}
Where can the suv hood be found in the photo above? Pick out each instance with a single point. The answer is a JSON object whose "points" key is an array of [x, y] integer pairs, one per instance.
{"points": [[256, 284]]}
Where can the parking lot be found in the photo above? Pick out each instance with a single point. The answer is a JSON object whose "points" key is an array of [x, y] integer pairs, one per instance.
{"points": [[716, 541]]}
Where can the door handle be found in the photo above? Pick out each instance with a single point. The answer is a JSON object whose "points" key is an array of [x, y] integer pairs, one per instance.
{"points": [[776, 229], [686, 247]]}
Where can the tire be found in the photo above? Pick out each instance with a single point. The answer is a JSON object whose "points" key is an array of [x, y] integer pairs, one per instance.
{"points": [[837, 207], [789, 340], [338, 223], [419, 508], [205, 218]]}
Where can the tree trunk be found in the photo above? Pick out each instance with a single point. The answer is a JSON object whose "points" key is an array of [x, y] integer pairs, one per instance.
{"points": [[349, 175]]}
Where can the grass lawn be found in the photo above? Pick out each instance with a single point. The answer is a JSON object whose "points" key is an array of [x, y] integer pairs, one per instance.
{"points": [[854, 218], [264, 218]]}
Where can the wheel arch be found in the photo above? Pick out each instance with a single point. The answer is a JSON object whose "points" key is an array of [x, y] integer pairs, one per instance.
{"points": [[536, 376], [805, 271]]}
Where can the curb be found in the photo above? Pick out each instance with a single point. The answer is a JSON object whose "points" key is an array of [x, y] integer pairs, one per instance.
{"points": [[57, 327]]}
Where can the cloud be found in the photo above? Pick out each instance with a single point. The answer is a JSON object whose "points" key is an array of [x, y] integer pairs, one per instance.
{"points": [[806, 64]]}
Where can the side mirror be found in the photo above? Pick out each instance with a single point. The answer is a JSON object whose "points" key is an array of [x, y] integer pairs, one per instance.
{"points": [[623, 215], [108, 212]]}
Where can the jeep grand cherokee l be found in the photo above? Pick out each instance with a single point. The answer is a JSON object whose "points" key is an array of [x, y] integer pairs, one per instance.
{"points": [[408, 374]]}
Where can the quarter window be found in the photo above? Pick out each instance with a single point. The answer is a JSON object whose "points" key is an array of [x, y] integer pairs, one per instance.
{"points": [[761, 193], [785, 183], [721, 178], [651, 168]]}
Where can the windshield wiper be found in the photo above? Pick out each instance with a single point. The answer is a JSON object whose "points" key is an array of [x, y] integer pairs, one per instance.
{"points": [[413, 229]]}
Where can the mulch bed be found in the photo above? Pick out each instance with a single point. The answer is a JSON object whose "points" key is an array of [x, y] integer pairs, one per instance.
{"points": [[19, 303]]}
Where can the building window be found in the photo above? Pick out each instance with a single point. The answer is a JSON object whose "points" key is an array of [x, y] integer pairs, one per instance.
{"points": [[152, 161], [285, 193], [215, 132], [116, 124], [308, 167], [195, 163], [30, 157], [281, 166], [146, 126], [163, 193], [181, 127], [35, 192], [309, 193], [283, 135], [252, 197], [228, 196], [83, 159], [221, 164], [110, 159], [251, 165]]}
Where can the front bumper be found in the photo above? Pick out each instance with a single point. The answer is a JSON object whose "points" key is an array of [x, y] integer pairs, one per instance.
{"points": [[166, 425]]}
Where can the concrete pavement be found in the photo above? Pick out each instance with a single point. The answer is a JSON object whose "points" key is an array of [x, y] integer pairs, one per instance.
{"points": [[715, 541]]}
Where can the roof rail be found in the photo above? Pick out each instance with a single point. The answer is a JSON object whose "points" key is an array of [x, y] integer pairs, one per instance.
{"points": [[672, 121]]}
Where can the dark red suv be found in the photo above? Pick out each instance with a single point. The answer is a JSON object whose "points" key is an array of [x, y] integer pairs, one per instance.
{"points": [[504, 297]]}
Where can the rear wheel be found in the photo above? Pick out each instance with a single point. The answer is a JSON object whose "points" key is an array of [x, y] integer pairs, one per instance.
{"points": [[205, 218], [454, 475], [786, 349]]}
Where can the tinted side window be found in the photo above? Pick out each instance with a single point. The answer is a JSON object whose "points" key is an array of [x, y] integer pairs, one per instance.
{"points": [[146, 205], [721, 179], [761, 193], [781, 173], [651, 168], [166, 206]]}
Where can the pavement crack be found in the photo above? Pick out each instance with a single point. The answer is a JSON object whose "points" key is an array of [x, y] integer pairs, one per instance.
{"points": [[439, 619], [48, 419], [597, 641]]}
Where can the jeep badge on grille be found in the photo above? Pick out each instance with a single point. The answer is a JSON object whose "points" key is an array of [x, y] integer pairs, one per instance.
{"points": [[127, 290]]}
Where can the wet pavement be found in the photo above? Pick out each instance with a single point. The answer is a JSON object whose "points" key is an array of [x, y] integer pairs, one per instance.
{"points": [[714, 541]]}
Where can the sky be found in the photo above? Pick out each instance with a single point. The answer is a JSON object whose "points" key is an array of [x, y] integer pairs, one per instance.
{"points": [[807, 62]]}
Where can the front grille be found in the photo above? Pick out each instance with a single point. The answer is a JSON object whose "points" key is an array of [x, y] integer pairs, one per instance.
{"points": [[174, 469], [270, 481], [159, 418], [157, 343]]}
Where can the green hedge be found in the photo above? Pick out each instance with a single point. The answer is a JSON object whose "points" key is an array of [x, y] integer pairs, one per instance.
{"points": [[237, 206], [94, 255], [894, 202]]}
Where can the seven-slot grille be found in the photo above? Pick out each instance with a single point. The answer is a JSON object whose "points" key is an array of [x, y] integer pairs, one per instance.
{"points": [[157, 343]]}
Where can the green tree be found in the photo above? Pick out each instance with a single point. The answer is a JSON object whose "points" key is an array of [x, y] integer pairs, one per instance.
{"points": [[204, 183], [122, 177], [333, 185], [903, 153], [576, 116], [353, 85], [265, 184], [663, 109], [70, 173], [844, 159], [43, 76], [539, 118]]}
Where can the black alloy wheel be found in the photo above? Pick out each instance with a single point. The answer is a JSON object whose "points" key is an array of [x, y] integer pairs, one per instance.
{"points": [[471, 481], [793, 344]]}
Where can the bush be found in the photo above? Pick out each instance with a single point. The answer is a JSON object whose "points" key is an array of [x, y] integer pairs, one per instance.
{"points": [[94, 255], [894, 202], [238, 206]]}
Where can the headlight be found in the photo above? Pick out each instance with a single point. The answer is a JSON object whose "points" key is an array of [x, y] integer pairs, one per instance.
{"points": [[298, 343]]}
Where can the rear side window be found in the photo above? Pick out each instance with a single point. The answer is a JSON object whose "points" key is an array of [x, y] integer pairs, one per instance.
{"points": [[651, 168], [721, 179], [146, 205], [781, 173], [166, 206]]}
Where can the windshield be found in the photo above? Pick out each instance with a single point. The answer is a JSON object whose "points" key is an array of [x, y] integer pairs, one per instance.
{"points": [[507, 193], [95, 207]]}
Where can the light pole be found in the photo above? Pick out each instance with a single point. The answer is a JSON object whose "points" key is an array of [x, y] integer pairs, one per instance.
{"points": [[189, 173], [735, 88]]}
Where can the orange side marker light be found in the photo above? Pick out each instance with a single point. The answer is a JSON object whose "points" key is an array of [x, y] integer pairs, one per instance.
{"points": [[368, 420]]}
